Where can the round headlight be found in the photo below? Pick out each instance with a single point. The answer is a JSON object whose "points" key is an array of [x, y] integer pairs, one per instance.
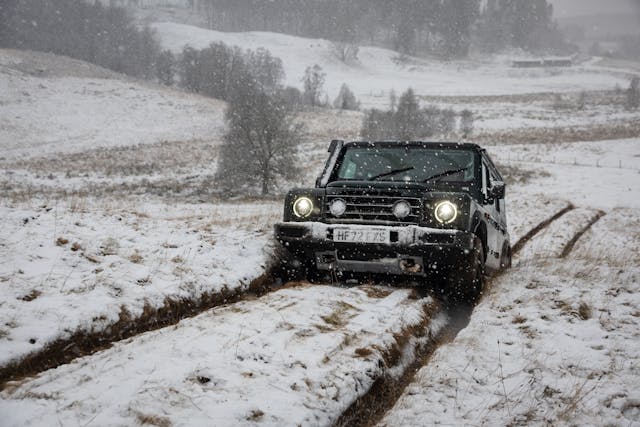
{"points": [[446, 212], [302, 207], [401, 209], [338, 207]]}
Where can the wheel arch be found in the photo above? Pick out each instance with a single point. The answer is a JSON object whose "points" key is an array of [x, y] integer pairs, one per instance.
{"points": [[480, 229]]}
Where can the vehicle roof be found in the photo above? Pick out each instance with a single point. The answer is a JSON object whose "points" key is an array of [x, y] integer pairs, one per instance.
{"points": [[426, 144]]}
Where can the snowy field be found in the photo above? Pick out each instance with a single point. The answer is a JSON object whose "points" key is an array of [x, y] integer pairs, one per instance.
{"points": [[377, 71], [295, 357], [555, 342], [69, 268], [45, 108], [105, 216]]}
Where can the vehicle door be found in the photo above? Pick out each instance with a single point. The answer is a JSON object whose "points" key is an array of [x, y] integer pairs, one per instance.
{"points": [[494, 209]]}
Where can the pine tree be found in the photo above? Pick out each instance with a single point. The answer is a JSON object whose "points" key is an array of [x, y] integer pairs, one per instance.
{"points": [[408, 117], [165, 67], [346, 100]]}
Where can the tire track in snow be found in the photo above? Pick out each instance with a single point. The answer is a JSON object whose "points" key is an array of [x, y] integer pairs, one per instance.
{"points": [[538, 228], [570, 245], [370, 408], [559, 237], [80, 344]]}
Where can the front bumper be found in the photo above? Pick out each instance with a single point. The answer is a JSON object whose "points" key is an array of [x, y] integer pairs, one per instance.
{"points": [[411, 250]]}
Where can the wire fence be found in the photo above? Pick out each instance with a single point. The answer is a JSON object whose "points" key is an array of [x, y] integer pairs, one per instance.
{"points": [[631, 163]]}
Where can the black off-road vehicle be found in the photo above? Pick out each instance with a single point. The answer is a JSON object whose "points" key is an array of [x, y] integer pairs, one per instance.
{"points": [[430, 210]]}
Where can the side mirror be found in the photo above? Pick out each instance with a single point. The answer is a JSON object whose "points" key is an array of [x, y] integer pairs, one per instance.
{"points": [[319, 182], [497, 190]]}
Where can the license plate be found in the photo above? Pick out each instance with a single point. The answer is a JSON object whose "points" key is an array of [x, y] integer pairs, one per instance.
{"points": [[361, 235]]}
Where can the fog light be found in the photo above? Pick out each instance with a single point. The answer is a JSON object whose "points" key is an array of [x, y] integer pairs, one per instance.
{"points": [[401, 209], [338, 207]]}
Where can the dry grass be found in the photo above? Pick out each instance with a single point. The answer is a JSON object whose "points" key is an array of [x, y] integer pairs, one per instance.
{"points": [[519, 320], [153, 420], [339, 316], [136, 258], [255, 415], [554, 135], [363, 352], [61, 241], [31, 295]]}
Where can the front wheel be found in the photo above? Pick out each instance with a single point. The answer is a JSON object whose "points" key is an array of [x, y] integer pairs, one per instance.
{"points": [[465, 283]]}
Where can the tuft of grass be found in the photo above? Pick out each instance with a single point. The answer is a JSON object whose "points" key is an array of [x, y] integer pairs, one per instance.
{"points": [[31, 295], [153, 420], [136, 258], [109, 246], [584, 311], [363, 352], [339, 316], [519, 319], [255, 415], [61, 241]]}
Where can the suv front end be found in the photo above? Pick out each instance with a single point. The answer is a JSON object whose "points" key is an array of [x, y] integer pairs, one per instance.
{"points": [[400, 208]]}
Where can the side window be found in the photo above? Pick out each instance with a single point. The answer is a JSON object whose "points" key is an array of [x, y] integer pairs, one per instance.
{"points": [[486, 179]]}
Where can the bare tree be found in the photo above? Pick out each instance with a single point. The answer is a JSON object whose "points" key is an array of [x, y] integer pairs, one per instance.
{"points": [[165, 67], [345, 51], [261, 142], [313, 82], [633, 94], [466, 123]]}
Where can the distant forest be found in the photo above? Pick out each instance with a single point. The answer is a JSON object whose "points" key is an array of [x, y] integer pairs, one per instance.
{"points": [[446, 28], [103, 35]]}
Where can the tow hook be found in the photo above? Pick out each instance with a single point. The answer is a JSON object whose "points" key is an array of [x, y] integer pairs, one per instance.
{"points": [[410, 266]]}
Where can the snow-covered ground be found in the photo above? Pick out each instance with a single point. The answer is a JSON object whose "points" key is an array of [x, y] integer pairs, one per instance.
{"points": [[79, 266], [298, 356], [554, 341], [43, 112], [601, 175]]}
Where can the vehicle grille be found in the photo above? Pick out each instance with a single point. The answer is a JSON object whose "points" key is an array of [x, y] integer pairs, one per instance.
{"points": [[373, 208]]}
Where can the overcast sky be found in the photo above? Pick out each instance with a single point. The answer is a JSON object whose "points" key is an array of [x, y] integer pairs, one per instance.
{"points": [[567, 8]]}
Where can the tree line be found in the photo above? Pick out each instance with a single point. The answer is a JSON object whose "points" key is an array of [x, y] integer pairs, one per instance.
{"points": [[446, 28], [406, 120], [103, 35]]}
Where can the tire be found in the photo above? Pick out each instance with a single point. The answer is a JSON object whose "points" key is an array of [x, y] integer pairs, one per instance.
{"points": [[465, 283], [505, 258]]}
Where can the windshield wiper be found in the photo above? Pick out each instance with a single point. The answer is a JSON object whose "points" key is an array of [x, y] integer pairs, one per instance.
{"points": [[443, 174], [393, 172]]}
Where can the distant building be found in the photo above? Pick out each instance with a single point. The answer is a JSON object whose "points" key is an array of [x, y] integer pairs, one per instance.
{"points": [[542, 62]]}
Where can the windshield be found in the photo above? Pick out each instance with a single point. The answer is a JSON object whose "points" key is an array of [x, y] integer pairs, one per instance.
{"points": [[407, 164]]}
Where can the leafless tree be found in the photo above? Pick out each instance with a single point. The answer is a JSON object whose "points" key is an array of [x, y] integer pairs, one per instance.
{"points": [[261, 142], [313, 81]]}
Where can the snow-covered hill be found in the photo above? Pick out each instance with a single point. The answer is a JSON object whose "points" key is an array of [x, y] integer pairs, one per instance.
{"points": [[378, 70], [51, 103]]}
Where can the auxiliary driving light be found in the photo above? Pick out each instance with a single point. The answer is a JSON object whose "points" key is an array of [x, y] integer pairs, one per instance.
{"points": [[446, 212], [401, 209], [302, 207], [338, 207]]}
